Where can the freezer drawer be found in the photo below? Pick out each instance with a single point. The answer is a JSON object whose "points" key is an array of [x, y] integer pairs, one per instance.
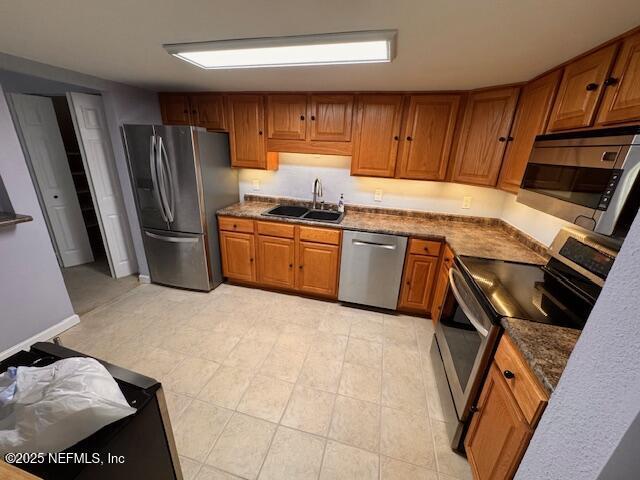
{"points": [[177, 259], [371, 268]]}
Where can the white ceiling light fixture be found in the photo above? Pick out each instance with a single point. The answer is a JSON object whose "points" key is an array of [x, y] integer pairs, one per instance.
{"points": [[371, 46]]}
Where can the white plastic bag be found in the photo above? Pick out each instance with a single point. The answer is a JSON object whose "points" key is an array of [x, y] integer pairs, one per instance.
{"points": [[48, 409]]}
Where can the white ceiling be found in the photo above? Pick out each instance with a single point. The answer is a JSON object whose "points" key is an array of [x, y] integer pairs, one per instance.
{"points": [[442, 44]]}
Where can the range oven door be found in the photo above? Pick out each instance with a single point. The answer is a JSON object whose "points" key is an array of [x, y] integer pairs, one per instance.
{"points": [[466, 338]]}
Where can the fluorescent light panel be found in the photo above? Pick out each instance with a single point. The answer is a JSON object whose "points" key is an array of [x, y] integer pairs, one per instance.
{"points": [[328, 49]]}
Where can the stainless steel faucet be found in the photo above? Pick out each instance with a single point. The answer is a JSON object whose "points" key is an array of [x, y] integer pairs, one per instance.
{"points": [[317, 192]]}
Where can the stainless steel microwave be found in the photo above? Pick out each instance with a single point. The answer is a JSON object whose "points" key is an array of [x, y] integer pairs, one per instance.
{"points": [[587, 178]]}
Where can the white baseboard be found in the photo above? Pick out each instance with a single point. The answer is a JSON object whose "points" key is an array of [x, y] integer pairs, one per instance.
{"points": [[144, 278], [50, 332]]}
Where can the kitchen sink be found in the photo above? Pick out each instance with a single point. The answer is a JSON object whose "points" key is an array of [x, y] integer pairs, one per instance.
{"points": [[323, 216], [304, 213], [292, 211]]}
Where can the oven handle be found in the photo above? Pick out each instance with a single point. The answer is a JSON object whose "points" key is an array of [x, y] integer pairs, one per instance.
{"points": [[465, 308]]}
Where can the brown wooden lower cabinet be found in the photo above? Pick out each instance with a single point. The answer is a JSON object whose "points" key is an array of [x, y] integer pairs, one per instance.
{"points": [[417, 283], [276, 258], [289, 257], [318, 267], [441, 285], [238, 256], [509, 408]]}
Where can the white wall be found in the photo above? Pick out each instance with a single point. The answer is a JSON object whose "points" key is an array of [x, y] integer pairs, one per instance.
{"points": [[297, 172], [33, 297], [598, 397]]}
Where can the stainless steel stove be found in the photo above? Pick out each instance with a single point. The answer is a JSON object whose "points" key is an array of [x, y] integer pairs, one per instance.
{"points": [[483, 291]]}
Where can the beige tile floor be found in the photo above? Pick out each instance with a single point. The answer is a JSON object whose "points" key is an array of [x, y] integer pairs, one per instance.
{"points": [[271, 386], [91, 285]]}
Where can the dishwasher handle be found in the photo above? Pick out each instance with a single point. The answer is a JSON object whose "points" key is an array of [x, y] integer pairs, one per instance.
{"points": [[363, 243]]}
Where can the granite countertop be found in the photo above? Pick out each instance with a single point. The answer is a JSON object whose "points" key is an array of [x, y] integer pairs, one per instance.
{"points": [[545, 347], [472, 236]]}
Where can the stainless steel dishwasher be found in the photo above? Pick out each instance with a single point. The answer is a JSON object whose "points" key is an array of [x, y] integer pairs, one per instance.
{"points": [[371, 268]]}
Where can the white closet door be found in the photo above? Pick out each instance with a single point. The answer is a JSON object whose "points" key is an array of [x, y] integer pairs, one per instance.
{"points": [[97, 153], [43, 141]]}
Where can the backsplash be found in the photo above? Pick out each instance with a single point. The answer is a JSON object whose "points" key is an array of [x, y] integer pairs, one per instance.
{"points": [[297, 172]]}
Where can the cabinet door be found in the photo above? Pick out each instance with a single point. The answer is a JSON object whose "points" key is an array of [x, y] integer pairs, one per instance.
{"points": [[276, 258], [532, 114], [175, 109], [427, 136], [417, 283], [440, 291], [330, 117], [318, 268], [483, 137], [207, 111], [246, 131], [286, 116], [580, 90], [238, 254], [378, 133], [499, 434], [622, 89]]}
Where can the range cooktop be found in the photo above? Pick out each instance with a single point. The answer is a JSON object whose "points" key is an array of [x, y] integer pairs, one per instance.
{"points": [[545, 294]]}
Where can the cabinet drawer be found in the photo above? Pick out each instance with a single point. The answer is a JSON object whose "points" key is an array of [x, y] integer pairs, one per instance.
{"points": [[320, 235], [526, 389], [275, 229], [233, 224], [424, 247]]}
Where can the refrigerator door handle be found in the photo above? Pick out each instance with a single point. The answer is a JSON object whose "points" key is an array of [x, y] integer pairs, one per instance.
{"points": [[173, 239], [154, 176], [165, 172]]}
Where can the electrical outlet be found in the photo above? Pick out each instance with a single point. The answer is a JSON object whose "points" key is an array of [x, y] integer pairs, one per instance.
{"points": [[256, 185], [466, 202], [377, 196]]}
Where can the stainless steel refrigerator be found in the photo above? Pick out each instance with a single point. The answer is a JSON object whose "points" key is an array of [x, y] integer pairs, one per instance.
{"points": [[181, 176]]}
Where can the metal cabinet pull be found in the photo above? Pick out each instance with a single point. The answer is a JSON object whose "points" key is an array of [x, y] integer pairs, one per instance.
{"points": [[591, 87], [508, 374]]}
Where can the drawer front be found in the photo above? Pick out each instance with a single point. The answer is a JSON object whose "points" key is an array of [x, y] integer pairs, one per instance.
{"points": [[526, 389], [320, 235], [424, 247], [272, 229], [233, 224]]}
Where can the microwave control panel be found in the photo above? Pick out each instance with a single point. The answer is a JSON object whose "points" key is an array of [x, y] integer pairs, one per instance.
{"points": [[609, 189]]}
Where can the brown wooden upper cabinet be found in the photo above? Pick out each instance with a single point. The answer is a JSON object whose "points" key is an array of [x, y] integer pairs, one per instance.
{"points": [[286, 117], [175, 108], [246, 132], [580, 91], [622, 89], [378, 135], [483, 136], [310, 123], [427, 136], [532, 114], [330, 117], [207, 110], [199, 109]]}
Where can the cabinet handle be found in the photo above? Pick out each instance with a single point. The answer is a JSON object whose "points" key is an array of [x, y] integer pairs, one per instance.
{"points": [[474, 409], [509, 138], [591, 87], [251, 259], [300, 267], [396, 137], [502, 139], [508, 374], [409, 138], [409, 283], [259, 132], [301, 117], [186, 111], [611, 81], [235, 226], [313, 117]]}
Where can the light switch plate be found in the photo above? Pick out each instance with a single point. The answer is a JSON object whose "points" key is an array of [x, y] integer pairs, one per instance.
{"points": [[256, 185], [377, 196], [466, 202]]}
